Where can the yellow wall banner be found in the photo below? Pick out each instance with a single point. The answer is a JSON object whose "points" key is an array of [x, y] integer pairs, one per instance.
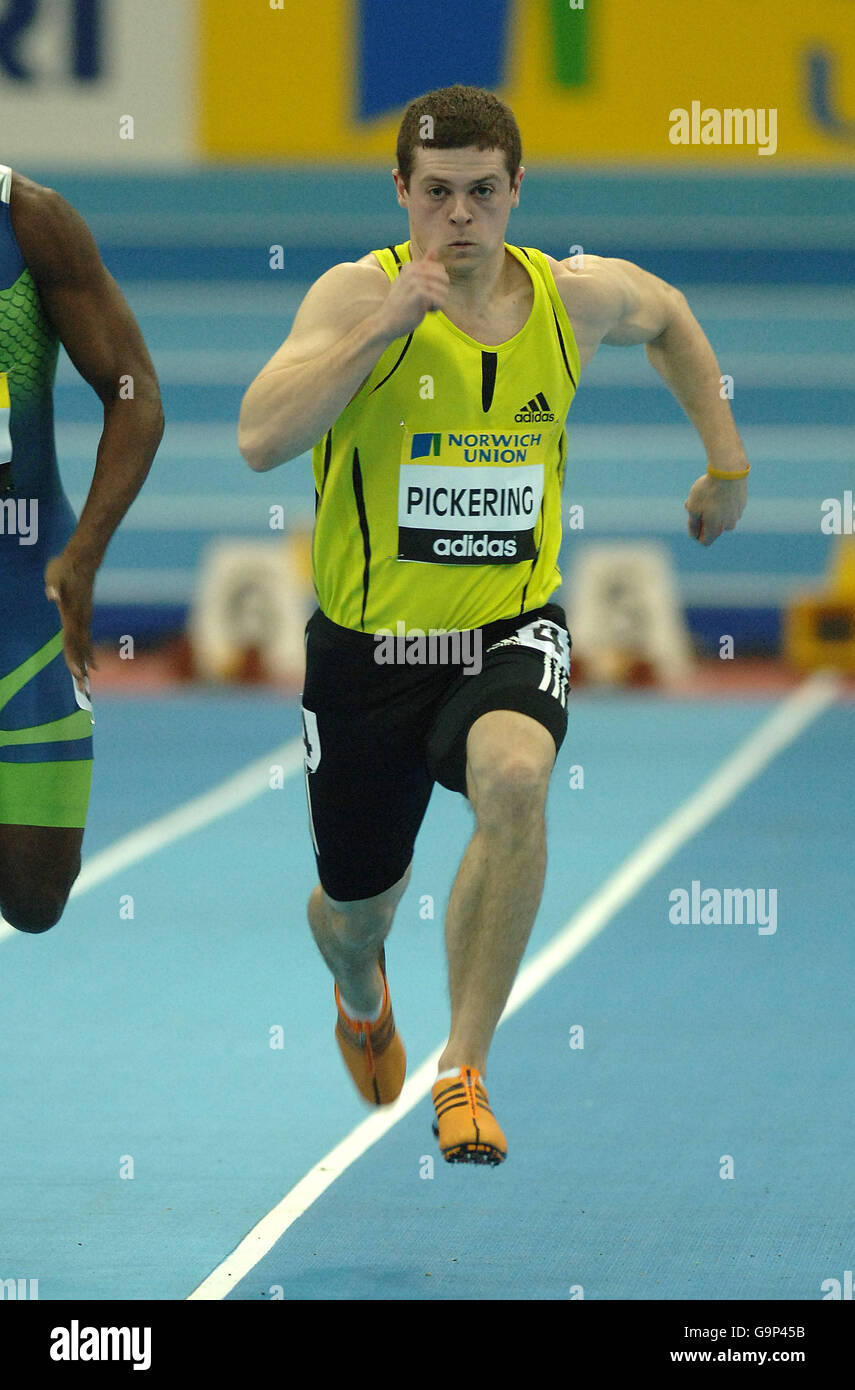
{"points": [[673, 82]]}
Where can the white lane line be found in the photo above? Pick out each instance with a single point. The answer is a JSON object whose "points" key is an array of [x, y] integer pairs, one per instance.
{"points": [[758, 749], [234, 792]]}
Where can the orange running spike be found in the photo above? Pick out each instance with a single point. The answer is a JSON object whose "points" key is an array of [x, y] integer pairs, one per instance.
{"points": [[465, 1126], [373, 1052]]}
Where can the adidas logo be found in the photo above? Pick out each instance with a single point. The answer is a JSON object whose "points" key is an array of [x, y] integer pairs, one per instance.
{"points": [[535, 410]]}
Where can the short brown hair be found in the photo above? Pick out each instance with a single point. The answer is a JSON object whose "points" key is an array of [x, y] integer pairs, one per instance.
{"points": [[461, 116]]}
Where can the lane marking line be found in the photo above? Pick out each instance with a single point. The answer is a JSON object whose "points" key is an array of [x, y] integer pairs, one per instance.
{"points": [[750, 758], [234, 792]]}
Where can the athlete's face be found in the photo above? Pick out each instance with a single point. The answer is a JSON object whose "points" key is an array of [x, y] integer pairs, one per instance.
{"points": [[459, 202]]}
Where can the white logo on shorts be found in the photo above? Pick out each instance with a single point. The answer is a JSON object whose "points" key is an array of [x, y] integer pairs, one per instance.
{"points": [[83, 700], [311, 740], [550, 639]]}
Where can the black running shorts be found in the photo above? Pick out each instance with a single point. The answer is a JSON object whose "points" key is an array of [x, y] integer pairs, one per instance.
{"points": [[383, 719]]}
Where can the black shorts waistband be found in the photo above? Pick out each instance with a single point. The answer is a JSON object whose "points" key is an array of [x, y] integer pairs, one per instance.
{"points": [[493, 631]]}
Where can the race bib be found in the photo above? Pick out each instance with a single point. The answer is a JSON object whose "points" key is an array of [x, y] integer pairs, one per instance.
{"points": [[470, 498]]}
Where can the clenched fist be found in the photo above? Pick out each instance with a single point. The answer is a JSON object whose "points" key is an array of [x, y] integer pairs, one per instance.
{"points": [[715, 505], [421, 287]]}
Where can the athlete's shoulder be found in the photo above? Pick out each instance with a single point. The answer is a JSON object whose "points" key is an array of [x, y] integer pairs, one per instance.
{"points": [[365, 275], [366, 269], [582, 276], [345, 288], [372, 263], [31, 201], [48, 229], [594, 291], [22, 187], [370, 260]]}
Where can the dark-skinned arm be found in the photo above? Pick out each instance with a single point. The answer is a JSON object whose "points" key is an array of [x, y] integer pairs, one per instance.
{"points": [[103, 340]]}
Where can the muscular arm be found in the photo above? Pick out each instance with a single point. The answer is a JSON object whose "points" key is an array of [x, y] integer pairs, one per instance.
{"points": [[336, 339], [617, 303], [103, 340]]}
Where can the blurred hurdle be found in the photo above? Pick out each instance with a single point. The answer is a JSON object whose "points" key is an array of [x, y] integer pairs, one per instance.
{"points": [[625, 616], [249, 612], [819, 625]]}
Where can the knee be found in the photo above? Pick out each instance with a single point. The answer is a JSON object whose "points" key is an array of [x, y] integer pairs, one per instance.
{"points": [[365, 916], [511, 789], [33, 912], [361, 915]]}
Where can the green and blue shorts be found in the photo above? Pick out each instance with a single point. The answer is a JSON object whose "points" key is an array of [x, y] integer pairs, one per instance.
{"points": [[45, 735]]}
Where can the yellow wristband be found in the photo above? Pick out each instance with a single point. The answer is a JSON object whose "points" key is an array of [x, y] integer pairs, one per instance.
{"points": [[717, 472]]}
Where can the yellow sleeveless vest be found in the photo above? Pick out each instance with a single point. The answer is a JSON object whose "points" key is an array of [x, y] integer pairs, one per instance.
{"points": [[438, 488]]}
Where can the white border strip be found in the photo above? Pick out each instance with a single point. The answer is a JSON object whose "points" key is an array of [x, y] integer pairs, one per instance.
{"points": [[736, 588], [224, 298], [753, 755], [233, 512], [322, 226], [660, 444], [750, 370]]}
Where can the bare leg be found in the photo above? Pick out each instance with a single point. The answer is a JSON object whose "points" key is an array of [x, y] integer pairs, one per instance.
{"points": [[38, 866], [497, 891], [349, 937]]}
